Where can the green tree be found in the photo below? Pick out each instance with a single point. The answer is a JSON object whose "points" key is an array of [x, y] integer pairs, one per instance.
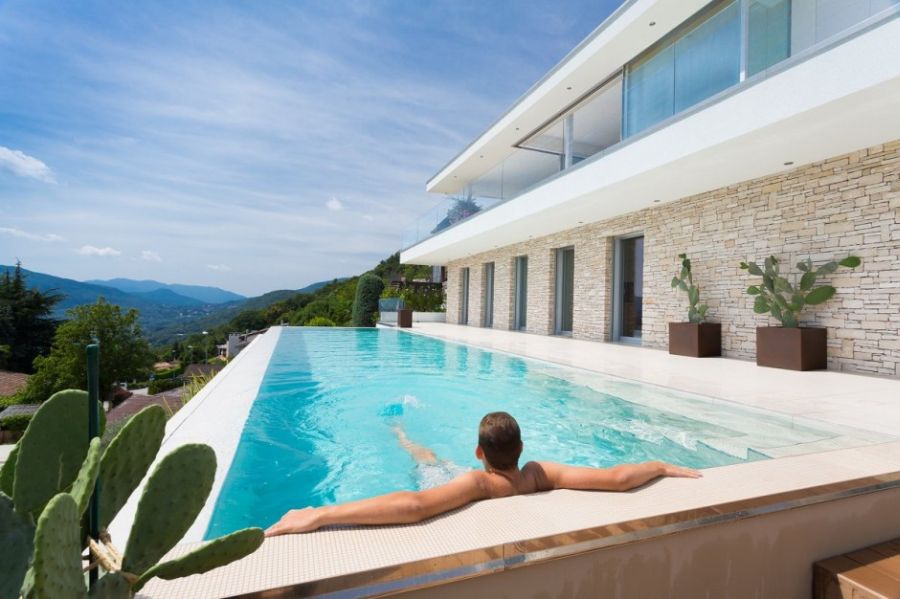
{"points": [[26, 328], [365, 306], [124, 353]]}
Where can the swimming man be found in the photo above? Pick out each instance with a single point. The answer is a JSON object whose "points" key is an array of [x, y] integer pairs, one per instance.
{"points": [[499, 448]]}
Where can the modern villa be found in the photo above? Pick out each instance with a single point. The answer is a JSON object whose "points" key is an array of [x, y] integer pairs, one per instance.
{"points": [[726, 130], [729, 130]]}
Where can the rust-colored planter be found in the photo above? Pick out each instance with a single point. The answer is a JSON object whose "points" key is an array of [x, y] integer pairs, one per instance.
{"points": [[799, 348], [404, 318], [703, 340]]}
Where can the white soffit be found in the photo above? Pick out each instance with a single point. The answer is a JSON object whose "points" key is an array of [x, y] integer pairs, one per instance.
{"points": [[621, 37], [839, 101]]}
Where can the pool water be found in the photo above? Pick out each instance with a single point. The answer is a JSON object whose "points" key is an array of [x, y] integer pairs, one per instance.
{"points": [[322, 429]]}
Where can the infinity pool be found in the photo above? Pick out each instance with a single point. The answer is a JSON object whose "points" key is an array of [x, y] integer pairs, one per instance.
{"points": [[323, 427]]}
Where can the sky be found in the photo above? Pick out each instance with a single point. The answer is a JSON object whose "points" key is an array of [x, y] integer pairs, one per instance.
{"points": [[248, 145]]}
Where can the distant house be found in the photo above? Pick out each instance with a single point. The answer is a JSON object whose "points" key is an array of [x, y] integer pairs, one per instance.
{"points": [[194, 371], [12, 382]]}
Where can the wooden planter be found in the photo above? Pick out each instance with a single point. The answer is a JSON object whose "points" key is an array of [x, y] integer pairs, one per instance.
{"points": [[800, 348], [701, 340], [404, 318]]}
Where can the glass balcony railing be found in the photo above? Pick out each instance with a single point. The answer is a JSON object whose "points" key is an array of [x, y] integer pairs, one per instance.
{"points": [[443, 216]]}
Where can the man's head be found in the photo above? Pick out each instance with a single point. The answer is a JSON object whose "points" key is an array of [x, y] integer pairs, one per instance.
{"points": [[499, 441]]}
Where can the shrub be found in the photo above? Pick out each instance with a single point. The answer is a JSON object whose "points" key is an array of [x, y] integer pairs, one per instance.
{"points": [[19, 422], [320, 321], [365, 306], [158, 386]]}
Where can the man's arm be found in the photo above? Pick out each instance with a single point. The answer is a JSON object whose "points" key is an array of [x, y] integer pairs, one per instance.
{"points": [[394, 508], [617, 478]]}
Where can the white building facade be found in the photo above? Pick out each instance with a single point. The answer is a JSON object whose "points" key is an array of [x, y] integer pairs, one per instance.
{"points": [[728, 130]]}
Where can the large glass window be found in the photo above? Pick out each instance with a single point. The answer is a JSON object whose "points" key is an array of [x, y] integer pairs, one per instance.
{"points": [[565, 290], [464, 296], [814, 21], [700, 62], [769, 33]]}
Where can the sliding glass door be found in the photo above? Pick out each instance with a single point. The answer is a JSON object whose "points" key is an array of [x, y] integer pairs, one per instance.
{"points": [[629, 289], [464, 296], [488, 320], [565, 290], [521, 296]]}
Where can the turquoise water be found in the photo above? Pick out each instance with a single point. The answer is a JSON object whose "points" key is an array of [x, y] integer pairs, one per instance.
{"points": [[321, 428]]}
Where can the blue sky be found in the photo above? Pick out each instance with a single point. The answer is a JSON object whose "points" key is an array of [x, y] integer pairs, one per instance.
{"points": [[248, 145]]}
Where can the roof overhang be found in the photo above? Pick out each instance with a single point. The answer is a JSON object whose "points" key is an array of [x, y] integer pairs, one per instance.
{"points": [[842, 99], [621, 37]]}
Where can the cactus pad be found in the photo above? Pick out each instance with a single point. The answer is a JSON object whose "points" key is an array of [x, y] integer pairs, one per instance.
{"points": [[214, 554], [174, 495], [15, 549], [8, 472], [127, 459], [51, 451], [83, 487], [57, 551], [111, 586]]}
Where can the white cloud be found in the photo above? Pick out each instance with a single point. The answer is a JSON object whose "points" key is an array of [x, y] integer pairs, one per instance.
{"points": [[23, 165], [89, 250], [334, 204], [32, 236], [150, 256], [219, 267]]}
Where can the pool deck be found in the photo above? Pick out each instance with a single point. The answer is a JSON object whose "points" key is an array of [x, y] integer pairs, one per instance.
{"points": [[495, 536]]}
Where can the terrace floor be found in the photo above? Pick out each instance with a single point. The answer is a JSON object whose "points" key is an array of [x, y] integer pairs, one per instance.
{"points": [[500, 536]]}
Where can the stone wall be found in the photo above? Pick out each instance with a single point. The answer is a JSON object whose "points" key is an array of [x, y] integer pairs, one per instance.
{"points": [[847, 204]]}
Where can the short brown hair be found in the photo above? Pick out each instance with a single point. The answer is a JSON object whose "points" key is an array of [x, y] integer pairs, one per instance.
{"points": [[500, 439]]}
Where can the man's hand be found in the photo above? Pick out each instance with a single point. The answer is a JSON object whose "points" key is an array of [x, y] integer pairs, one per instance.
{"points": [[305, 520], [680, 471]]}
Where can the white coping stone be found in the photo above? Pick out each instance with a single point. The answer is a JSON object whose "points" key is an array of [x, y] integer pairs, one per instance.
{"points": [[218, 423]]}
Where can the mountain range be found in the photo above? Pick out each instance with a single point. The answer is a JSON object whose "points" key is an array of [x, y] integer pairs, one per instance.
{"points": [[166, 310]]}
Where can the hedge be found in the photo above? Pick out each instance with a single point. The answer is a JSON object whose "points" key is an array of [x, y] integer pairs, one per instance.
{"points": [[365, 306], [19, 422], [320, 321], [160, 385]]}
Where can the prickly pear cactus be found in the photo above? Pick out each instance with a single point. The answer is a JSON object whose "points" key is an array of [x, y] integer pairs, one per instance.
{"points": [[8, 472], [172, 498], [83, 487], [685, 282], [112, 586], [127, 459], [57, 552], [784, 301], [53, 437], [15, 548], [214, 554]]}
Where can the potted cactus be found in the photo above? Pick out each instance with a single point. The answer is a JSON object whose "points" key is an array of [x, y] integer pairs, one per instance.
{"points": [[45, 491], [694, 338], [790, 345]]}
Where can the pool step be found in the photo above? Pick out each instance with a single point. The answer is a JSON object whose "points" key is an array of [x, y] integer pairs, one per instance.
{"points": [[738, 447]]}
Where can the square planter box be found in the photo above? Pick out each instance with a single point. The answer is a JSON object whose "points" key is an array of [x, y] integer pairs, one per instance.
{"points": [[404, 318], [800, 348], [701, 340]]}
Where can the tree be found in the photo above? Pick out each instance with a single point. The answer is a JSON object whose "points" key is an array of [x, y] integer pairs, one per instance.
{"points": [[124, 353], [365, 306], [26, 328]]}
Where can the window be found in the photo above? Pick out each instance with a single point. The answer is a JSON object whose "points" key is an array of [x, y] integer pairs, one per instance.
{"points": [[698, 62], [464, 296], [520, 322]]}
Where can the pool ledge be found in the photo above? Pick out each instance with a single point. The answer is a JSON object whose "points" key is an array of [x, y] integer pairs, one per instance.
{"points": [[215, 416], [495, 536]]}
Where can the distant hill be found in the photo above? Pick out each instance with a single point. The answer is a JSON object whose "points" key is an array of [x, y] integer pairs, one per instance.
{"points": [[203, 294], [168, 297]]}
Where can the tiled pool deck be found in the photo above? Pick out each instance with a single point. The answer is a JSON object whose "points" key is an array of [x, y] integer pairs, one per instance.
{"points": [[498, 535]]}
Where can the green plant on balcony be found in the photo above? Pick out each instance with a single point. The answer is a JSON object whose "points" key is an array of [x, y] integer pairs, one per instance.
{"points": [[45, 490], [785, 301], [685, 281]]}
